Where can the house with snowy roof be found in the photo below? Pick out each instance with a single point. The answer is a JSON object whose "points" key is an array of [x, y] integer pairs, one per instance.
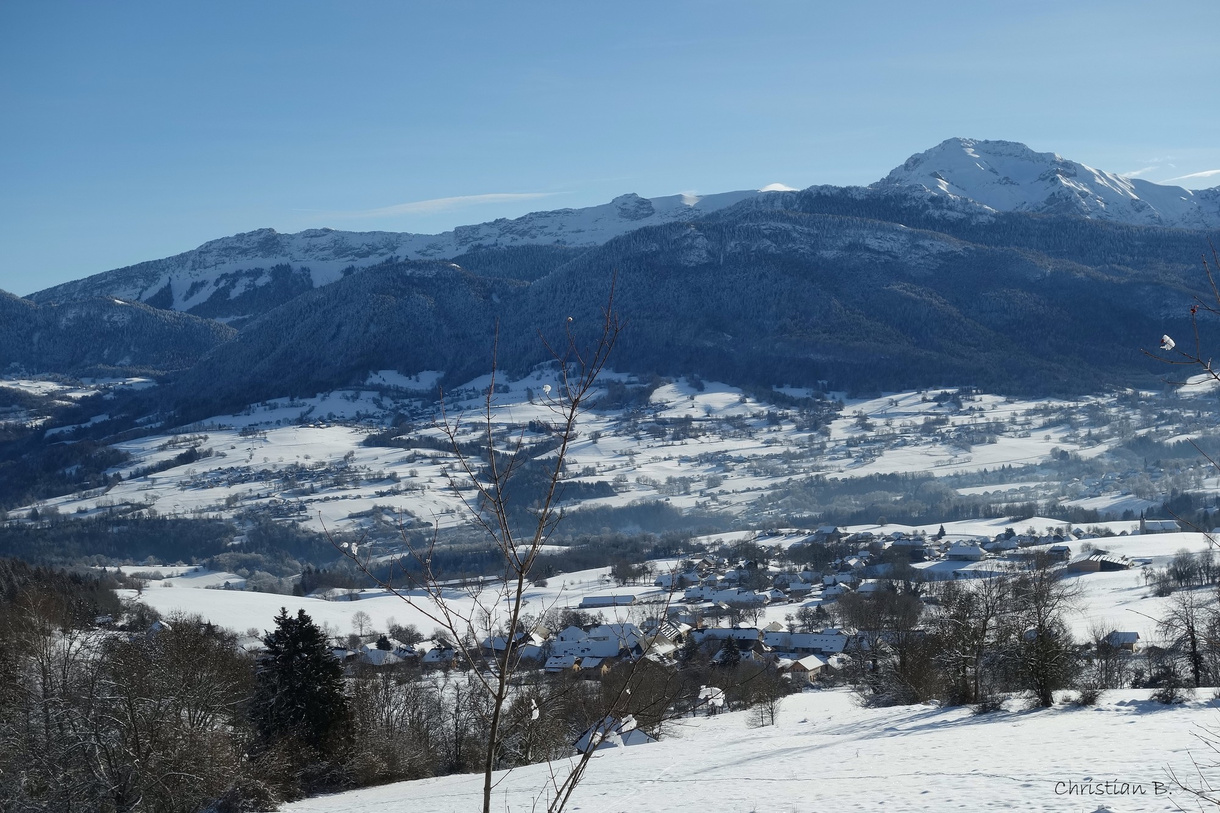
{"points": [[601, 641], [528, 645], [874, 586], [379, 658], [804, 669], [826, 642], [561, 663], [1059, 553], [742, 635], [1098, 562], [1122, 640], [435, 653], [676, 580], [612, 600], [833, 591], [612, 732], [964, 552]]}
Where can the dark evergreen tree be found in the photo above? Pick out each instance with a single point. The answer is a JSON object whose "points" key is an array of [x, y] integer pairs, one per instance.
{"points": [[730, 654], [299, 685]]}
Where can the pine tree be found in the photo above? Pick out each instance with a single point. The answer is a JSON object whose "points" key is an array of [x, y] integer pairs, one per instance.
{"points": [[299, 691], [730, 654]]}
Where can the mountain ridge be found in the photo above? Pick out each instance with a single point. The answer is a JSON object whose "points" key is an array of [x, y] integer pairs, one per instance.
{"points": [[233, 279], [228, 268], [1008, 176]]}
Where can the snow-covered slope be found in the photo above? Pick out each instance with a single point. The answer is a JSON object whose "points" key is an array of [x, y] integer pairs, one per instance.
{"points": [[231, 267], [1010, 177], [827, 754]]}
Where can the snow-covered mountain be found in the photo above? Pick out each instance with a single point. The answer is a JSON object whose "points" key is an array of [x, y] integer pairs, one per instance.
{"points": [[236, 278], [206, 279], [1010, 177]]}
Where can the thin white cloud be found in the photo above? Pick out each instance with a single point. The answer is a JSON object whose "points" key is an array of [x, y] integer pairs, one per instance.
{"points": [[1207, 173], [1135, 173], [441, 204]]}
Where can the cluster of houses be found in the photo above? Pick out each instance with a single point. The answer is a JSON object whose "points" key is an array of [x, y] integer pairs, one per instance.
{"points": [[704, 592], [938, 556], [590, 651], [714, 586]]}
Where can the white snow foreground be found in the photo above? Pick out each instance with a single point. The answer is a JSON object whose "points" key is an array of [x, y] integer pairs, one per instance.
{"points": [[828, 754]]}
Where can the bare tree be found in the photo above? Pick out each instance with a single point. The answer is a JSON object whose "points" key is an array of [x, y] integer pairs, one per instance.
{"points": [[969, 625], [894, 658], [1111, 667], [1045, 652], [1184, 629], [486, 469], [361, 621]]}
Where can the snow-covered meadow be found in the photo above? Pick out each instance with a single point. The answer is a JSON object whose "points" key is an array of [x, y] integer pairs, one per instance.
{"points": [[826, 753], [694, 445]]}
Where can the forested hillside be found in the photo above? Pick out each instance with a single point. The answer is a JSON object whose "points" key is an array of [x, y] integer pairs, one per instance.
{"points": [[102, 336]]}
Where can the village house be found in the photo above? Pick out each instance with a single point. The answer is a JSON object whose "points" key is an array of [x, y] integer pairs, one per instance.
{"points": [[602, 641], [799, 590], [370, 655], [601, 602], [436, 654], [964, 552], [742, 635], [1098, 562], [803, 670], [731, 596], [833, 591], [612, 732], [799, 644], [1059, 553], [676, 580], [1122, 640], [561, 663], [529, 645]]}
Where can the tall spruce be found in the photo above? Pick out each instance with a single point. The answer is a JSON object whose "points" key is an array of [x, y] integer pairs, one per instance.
{"points": [[299, 685]]}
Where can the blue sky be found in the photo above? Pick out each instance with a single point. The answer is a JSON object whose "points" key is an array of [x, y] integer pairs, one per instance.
{"points": [[133, 131]]}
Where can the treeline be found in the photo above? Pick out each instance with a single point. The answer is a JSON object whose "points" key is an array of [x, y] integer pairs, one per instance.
{"points": [[71, 597], [980, 641], [281, 548], [903, 498], [581, 551], [172, 715], [106, 540]]}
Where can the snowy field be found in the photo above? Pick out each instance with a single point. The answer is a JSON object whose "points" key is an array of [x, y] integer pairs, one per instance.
{"points": [[241, 611], [708, 446], [827, 754]]}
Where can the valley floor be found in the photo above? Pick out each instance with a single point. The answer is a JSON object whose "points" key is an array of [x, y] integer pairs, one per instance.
{"points": [[828, 754]]}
